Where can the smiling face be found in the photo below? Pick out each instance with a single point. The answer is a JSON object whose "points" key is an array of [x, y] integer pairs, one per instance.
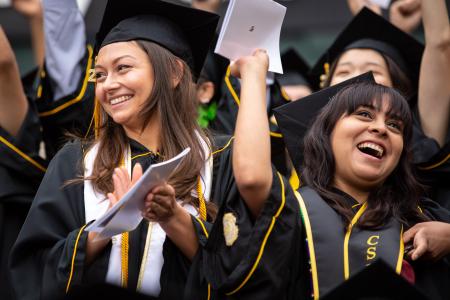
{"points": [[367, 145], [124, 82], [355, 62]]}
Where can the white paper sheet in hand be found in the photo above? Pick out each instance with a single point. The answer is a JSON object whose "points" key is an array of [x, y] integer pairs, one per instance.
{"points": [[382, 3], [126, 214], [251, 24]]}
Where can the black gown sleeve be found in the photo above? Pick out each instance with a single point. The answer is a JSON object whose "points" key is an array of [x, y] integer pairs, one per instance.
{"points": [[21, 170], [432, 163], [71, 114], [21, 166], [264, 261], [49, 251]]}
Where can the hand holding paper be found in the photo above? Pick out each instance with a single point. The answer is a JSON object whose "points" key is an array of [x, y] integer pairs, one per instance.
{"points": [[249, 25], [160, 204], [126, 214]]}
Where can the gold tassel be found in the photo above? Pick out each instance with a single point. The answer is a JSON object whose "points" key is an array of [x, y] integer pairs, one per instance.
{"points": [[97, 118], [324, 77], [201, 200]]}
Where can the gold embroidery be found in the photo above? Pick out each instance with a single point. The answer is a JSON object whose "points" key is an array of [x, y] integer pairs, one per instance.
{"points": [[230, 229]]}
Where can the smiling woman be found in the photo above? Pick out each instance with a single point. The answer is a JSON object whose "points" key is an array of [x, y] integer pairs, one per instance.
{"points": [[350, 143], [148, 54]]}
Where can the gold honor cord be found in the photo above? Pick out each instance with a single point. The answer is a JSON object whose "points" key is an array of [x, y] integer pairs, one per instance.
{"points": [[124, 258], [347, 239], [201, 200], [124, 247]]}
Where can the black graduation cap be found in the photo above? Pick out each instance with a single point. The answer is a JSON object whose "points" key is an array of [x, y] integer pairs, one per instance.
{"points": [[184, 31], [296, 71], [376, 282], [295, 118], [367, 30]]}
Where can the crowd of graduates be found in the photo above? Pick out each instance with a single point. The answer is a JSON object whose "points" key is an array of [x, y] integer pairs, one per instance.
{"points": [[329, 181]]}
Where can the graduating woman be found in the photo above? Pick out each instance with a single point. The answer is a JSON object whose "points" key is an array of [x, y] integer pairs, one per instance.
{"points": [[421, 74], [145, 113], [352, 211]]}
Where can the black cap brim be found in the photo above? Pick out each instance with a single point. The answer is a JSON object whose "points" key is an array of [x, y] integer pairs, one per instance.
{"points": [[377, 281], [370, 26], [194, 27], [295, 118]]}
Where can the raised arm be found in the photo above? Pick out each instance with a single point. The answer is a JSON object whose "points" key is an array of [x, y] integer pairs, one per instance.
{"points": [[251, 151], [13, 103], [65, 43], [434, 87], [32, 10]]}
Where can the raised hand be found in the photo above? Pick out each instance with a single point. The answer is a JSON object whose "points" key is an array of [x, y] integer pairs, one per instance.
{"points": [[356, 5], [28, 8], [406, 14], [207, 5], [258, 62]]}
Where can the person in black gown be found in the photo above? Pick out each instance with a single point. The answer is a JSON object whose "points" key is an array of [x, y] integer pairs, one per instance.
{"points": [[357, 172]]}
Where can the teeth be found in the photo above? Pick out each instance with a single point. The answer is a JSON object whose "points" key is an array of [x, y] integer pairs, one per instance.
{"points": [[378, 149], [119, 99]]}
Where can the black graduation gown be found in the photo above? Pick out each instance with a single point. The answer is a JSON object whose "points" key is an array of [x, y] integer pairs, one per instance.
{"points": [[71, 114], [21, 170], [50, 248], [226, 115], [270, 259], [432, 164]]}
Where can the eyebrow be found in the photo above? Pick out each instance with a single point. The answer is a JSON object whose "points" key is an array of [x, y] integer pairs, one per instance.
{"points": [[349, 63], [390, 114], [116, 60]]}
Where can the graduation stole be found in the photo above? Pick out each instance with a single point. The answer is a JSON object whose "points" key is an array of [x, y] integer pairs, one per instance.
{"points": [[336, 254], [202, 192]]}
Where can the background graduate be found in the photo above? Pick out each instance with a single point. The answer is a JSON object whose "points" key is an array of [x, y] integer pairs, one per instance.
{"points": [[21, 165], [369, 43], [286, 254]]}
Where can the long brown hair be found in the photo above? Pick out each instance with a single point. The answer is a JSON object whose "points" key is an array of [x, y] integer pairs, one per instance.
{"points": [[177, 109], [399, 195]]}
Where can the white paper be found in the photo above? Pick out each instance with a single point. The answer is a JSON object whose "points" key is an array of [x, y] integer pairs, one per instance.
{"points": [[252, 24], [126, 214], [382, 3], [83, 6], [5, 3]]}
